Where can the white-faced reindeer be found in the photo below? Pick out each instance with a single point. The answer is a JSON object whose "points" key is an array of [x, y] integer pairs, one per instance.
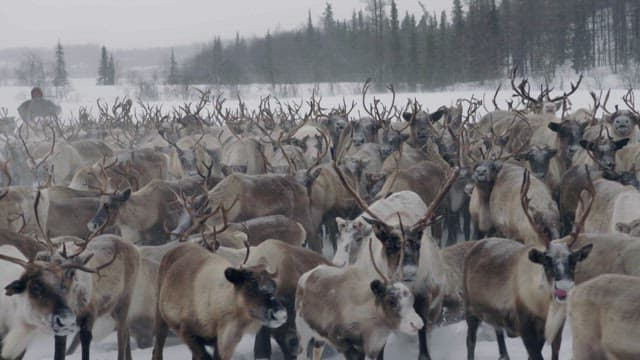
{"points": [[378, 309], [61, 293], [521, 289], [409, 250]]}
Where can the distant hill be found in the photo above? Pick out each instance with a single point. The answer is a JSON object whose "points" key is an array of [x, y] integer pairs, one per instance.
{"points": [[82, 60]]}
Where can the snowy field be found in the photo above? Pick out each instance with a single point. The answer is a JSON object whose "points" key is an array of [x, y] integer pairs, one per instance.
{"points": [[445, 343], [84, 92]]}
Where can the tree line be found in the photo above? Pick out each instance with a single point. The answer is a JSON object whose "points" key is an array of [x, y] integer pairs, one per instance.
{"points": [[479, 40]]}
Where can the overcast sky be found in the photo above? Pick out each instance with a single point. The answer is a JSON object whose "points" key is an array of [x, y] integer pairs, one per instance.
{"points": [[148, 23]]}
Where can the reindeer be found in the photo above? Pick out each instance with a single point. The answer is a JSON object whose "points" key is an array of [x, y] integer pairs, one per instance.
{"points": [[521, 288], [243, 299], [602, 315], [409, 251], [128, 169], [377, 309], [291, 262], [614, 208], [60, 293], [494, 204], [245, 198], [142, 216]]}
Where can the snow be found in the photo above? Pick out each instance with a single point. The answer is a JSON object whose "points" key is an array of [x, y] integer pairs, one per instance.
{"points": [[84, 92], [445, 343]]}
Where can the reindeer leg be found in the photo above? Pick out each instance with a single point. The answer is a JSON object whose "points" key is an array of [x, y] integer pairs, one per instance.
{"points": [[262, 344], [60, 347], [86, 324], [161, 331], [466, 221], [472, 329], [532, 341], [555, 346], [196, 345], [381, 354], [420, 305], [502, 347]]}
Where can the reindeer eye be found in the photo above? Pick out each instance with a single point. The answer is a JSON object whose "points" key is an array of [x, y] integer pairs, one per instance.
{"points": [[36, 290], [69, 274]]}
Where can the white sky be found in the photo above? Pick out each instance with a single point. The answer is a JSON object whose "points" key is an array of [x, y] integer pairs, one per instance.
{"points": [[148, 23]]}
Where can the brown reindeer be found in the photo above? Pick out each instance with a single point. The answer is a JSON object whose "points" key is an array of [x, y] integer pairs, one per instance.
{"points": [[245, 198], [495, 206], [603, 317], [291, 262], [521, 289], [208, 301], [142, 216]]}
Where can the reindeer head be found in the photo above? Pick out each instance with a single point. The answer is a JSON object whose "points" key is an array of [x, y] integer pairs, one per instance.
{"points": [[538, 158], [53, 287], [107, 211], [623, 122], [559, 263], [485, 173], [255, 288], [396, 302], [604, 150], [569, 135], [421, 125]]}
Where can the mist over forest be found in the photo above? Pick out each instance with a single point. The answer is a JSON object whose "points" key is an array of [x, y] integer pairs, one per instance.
{"points": [[476, 40]]}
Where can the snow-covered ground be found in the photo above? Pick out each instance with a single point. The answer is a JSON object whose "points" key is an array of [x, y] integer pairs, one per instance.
{"points": [[447, 343], [84, 92]]}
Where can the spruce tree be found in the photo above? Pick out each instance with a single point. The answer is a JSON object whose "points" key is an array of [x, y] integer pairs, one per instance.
{"points": [[60, 72], [103, 68], [172, 78], [111, 74]]}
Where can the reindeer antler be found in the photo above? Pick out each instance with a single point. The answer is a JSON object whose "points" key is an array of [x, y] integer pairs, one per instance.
{"points": [[426, 219], [578, 226]]}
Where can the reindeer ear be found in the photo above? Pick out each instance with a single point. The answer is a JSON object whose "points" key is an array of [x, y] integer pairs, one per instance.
{"points": [[437, 115], [378, 288], [124, 196], [16, 287], [555, 127], [582, 253], [623, 228], [551, 153], [381, 230], [537, 256], [404, 137], [587, 145], [620, 143], [235, 276], [407, 116]]}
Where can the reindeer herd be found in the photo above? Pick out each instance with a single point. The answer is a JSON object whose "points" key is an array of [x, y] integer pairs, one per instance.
{"points": [[317, 227]]}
